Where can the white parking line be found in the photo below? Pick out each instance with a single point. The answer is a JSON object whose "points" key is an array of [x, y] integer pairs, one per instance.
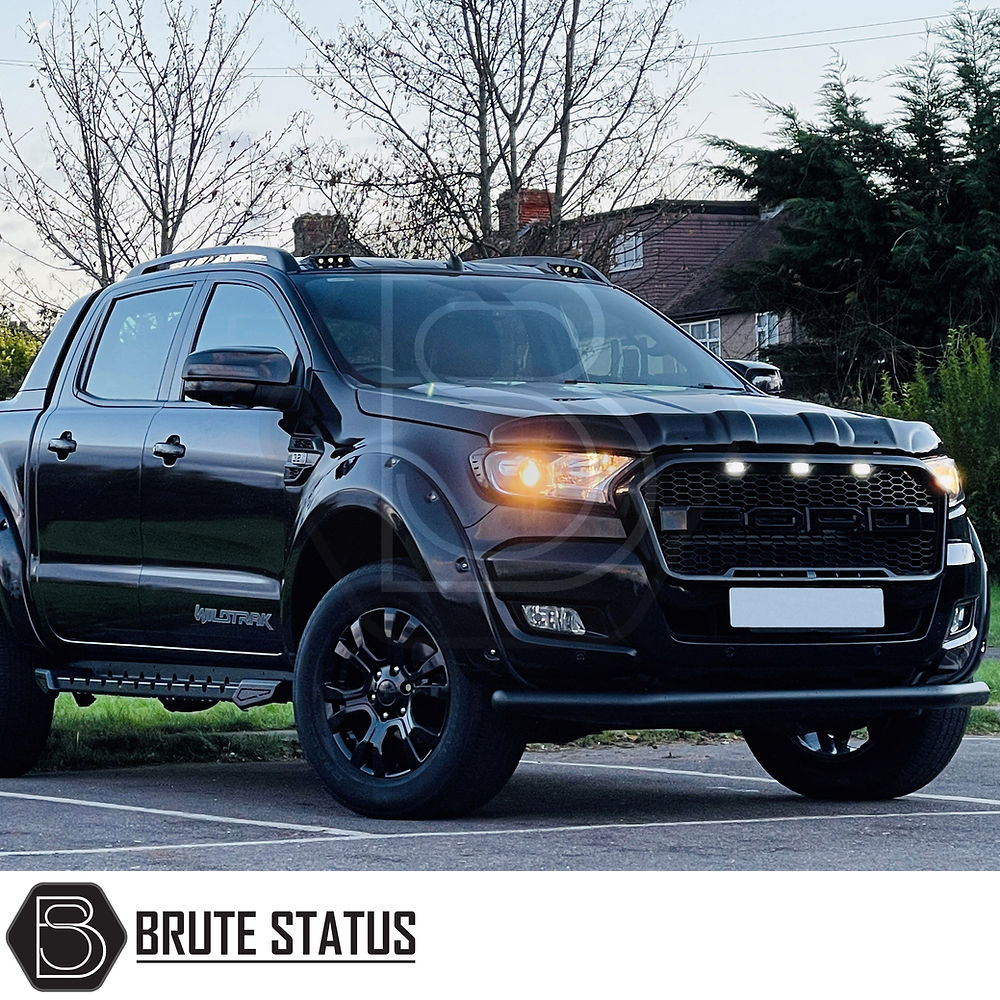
{"points": [[334, 834], [149, 848], [523, 832], [206, 817], [954, 798], [651, 770], [737, 778]]}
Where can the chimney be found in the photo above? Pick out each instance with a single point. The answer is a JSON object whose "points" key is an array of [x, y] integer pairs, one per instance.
{"points": [[533, 205], [318, 233]]}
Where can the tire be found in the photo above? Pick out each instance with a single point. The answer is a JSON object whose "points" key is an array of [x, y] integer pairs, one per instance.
{"points": [[25, 710], [389, 719], [894, 756]]}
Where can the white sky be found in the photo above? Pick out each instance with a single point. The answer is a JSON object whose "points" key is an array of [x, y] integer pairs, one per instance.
{"points": [[736, 35]]}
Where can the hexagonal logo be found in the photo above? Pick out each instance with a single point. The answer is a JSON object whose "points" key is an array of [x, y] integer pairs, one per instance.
{"points": [[66, 936]]}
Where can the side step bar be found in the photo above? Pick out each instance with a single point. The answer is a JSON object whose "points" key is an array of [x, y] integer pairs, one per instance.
{"points": [[243, 693]]}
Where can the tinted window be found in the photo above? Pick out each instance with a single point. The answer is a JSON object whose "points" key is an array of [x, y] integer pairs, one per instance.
{"points": [[244, 316], [410, 329], [133, 347]]}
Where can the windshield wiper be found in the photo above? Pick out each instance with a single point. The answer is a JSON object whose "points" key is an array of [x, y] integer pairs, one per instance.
{"points": [[650, 385]]}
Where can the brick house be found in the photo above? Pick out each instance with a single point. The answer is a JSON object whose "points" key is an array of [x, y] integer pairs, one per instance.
{"points": [[673, 255]]}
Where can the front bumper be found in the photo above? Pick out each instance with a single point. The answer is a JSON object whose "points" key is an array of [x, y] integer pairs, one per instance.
{"points": [[657, 652]]}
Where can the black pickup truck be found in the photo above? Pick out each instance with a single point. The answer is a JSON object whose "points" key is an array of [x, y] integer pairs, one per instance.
{"points": [[449, 507]]}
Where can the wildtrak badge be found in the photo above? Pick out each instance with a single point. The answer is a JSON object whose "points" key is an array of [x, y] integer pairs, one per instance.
{"points": [[209, 616]]}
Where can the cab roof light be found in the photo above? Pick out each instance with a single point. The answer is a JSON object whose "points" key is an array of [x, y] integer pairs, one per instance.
{"points": [[569, 270], [330, 260], [565, 267]]}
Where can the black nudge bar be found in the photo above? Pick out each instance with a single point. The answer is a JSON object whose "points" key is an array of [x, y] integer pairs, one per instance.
{"points": [[689, 710]]}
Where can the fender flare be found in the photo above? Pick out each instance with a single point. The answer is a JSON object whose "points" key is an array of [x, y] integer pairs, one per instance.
{"points": [[418, 513]]}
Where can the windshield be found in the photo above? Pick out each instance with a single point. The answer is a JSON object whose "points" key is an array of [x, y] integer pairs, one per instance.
{"points": [[414, 329]]}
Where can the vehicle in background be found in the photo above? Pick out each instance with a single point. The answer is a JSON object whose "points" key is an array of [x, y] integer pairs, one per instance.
{"points": [[759, 374]]}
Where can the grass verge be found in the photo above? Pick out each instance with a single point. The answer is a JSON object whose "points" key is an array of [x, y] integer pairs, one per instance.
{"points": [[119, 732], [984, 722]]}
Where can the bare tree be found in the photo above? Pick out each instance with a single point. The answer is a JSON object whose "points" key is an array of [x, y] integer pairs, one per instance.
{"points": [[466, 99], [142, 129]]}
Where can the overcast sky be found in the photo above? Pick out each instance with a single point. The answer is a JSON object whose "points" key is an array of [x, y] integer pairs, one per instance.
{"points": [[777, 48]]}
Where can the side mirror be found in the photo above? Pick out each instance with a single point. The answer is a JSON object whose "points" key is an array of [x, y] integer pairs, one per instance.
{"points": [[241, 376], [767, 383]]}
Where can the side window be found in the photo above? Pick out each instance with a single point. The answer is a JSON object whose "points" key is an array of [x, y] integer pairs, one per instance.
{"points": [[244, 316], [133, 346]]}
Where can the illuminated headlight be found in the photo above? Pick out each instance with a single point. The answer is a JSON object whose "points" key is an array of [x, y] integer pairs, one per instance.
{"points": [[583, 476], [946, 475], [549, 618]]}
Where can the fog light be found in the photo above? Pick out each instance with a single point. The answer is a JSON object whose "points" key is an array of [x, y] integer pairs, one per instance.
{"points": [[961, 618], [549, 618]]}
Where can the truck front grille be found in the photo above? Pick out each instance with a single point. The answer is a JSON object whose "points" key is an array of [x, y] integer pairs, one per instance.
{"points": [[767, 521]]}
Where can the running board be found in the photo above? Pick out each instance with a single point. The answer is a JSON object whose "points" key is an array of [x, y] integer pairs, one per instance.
{"points": [[244, 693]]}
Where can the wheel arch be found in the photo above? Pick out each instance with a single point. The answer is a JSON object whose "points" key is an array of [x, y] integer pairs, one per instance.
{"points": [[13, 578], [337, 539]]}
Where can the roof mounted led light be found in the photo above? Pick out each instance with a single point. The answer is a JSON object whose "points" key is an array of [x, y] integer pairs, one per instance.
{"points": [[325, 261]]}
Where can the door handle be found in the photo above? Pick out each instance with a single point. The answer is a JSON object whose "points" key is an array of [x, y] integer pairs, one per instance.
{"points": [[63, 446], [169, 450]]}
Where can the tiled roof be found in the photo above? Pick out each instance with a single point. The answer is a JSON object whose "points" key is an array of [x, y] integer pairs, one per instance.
{"points": [[705, 295]]}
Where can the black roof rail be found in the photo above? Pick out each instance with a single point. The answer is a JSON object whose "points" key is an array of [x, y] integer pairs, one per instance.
{"points": [[280, 259], [568, 267]]}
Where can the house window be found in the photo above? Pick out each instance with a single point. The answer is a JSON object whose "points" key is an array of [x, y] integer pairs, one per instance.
{"points": [[708, 333], [626, 253], [767, 330]]}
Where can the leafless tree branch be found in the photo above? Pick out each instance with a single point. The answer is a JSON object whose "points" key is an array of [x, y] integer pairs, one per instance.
{"points": [[144, 149]]}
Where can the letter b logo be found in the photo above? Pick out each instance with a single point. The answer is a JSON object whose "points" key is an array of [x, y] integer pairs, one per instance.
{"points": [[66, 937]]}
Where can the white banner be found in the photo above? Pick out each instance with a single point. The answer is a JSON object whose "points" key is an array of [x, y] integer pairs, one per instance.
{"points": [[477, 934]]}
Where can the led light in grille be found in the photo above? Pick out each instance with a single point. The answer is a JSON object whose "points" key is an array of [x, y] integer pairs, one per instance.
{"points": [[549, 618], [862, 470], [735, 468], [800, 468]]}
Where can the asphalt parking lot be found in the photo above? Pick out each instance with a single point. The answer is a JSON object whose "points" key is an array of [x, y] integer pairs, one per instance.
{"points": [[671, 807]]}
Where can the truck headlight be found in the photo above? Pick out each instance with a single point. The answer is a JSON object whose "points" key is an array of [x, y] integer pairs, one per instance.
{"points": [[946, 475], [561, 475]]}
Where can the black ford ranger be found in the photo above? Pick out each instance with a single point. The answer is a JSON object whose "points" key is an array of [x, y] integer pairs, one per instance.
{"points": [[449, 507]]}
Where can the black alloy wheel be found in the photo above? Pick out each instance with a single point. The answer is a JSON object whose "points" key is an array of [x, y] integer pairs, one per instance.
{"points": [[387, 693], [387, 714]]}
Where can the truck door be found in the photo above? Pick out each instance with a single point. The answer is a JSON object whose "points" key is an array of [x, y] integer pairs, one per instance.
{"points": [[215, 511], [87, 457]]}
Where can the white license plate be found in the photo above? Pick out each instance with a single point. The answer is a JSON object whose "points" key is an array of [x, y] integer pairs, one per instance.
{"points": [[806, 607]]}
